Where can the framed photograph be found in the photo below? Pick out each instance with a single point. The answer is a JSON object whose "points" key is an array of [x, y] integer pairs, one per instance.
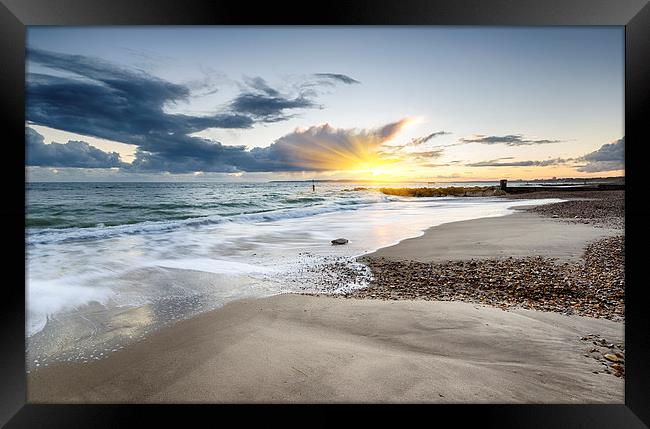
{"points": [[378, 203]]}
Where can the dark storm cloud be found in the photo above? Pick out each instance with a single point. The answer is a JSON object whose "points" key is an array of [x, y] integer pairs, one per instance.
{"points": [[110, 102], [92, 97], [609, 157], [337, 77], [267, 104], [207, 156], [71, 154], [268, 108], [509, 140]]}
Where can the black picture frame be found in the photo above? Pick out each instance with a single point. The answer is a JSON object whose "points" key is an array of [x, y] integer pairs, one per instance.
{"points": [[15, 15]]}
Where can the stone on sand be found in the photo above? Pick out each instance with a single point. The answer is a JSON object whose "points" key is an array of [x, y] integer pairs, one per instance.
{"points": [[340, 241]]}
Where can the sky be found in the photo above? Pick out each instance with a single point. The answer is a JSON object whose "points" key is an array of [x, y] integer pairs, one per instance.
{"points": [[431, 103]]}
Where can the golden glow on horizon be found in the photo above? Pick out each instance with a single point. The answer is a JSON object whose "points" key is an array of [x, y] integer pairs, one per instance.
{"points": [[365, 155], [384, 155], [346, 151]]}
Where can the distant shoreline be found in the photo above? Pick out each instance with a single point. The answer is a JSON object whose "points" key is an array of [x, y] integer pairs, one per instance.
{"points": [[560, 180]]}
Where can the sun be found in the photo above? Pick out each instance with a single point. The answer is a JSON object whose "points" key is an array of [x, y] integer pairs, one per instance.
{"points": [[375, 169], [384, 170]]}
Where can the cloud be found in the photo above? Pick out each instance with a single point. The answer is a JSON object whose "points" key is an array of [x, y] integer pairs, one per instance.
{"points": [[500, 163], [397, 153], [421, 140], [609, 157], [317, 148], [417, 141], [509, 140], [102, 100], [89, 96], [198, 155], [71, 154], [324, 147], [266, 104], [437, 165], [338, 77], [427, 156]]}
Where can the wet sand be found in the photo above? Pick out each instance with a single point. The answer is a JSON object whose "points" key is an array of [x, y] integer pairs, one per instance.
{"points": [[517, 235], [294, 348]]}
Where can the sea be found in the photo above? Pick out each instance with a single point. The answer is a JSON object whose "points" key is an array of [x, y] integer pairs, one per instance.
{"points": [[108, 263]]}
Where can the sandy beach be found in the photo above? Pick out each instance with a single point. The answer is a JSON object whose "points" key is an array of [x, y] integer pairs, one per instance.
{"points": [[517, 235], [293, 348], [298, 348]]}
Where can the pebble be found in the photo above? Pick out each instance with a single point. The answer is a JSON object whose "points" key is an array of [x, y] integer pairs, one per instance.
{"points": [[612, 358], [594, 286], [605, 357], [598, 208]]}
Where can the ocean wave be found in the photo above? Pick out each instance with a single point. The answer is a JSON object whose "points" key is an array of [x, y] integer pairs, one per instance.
{"points": [[303, 200], [52, 235]]}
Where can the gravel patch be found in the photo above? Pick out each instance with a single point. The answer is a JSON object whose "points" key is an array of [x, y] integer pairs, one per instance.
{"points": [[594, 286], [604, 209]]}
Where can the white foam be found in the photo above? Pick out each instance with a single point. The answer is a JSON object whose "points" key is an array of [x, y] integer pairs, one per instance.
{"points": [[48, 297], [215, 266]]}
